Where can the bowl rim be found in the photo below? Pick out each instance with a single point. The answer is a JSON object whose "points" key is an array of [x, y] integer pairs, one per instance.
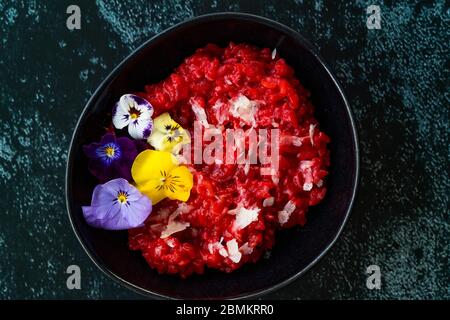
{"points": [[191, 21]]}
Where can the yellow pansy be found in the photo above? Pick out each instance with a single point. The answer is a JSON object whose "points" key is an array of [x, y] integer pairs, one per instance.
{"points": [[157, 175], [167, 135]]}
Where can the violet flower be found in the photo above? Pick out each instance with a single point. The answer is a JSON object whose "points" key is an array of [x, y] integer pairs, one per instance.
{"points": [[111, 158], [117, 205], [136, 113]]}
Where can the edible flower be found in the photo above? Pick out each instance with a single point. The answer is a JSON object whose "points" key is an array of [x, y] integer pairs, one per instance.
{"points": [[157, 175], [117, 205], [111, 158], [136, 113], [168, 135]]}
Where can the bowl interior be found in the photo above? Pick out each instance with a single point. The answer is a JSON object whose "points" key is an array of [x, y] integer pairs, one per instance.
{"points": [[295, 249]]}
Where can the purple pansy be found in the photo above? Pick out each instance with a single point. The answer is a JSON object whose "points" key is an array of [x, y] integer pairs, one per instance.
{"points": [[136, 113], [111, 158], [117, 205]]}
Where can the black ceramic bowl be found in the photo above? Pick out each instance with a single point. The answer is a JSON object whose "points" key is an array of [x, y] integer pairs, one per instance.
{"points": [[296, 250]]}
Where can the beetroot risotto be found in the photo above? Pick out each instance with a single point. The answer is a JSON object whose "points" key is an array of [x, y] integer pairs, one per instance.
{"points": [[185, 212]]}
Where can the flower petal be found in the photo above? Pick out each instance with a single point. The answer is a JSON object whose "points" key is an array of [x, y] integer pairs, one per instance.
{"points": [[90, 150], [156, 140], [134, 214], [153, 189], [149, 164], [113, 186], [164, 121], [103, 196], [120, 116], [111, 212], [111, 158], [138, 103], [98, 217], [185, 139], [168, 135], [140, 128], [181, 184], [146, 110], [148, 130], [87, 212]]}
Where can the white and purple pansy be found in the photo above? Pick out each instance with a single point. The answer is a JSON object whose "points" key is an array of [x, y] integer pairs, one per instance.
{"points": [[136, 113]]}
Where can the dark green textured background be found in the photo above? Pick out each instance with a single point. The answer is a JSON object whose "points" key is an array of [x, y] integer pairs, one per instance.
{"points": [[396, 80]]}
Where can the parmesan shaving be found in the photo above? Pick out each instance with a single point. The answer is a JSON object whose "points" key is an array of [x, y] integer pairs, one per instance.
{"points": [[246, 167], [275, 179], [311, 133], [200, 114], [244, 108], [307, 186], [171, 243], [274, 53], [285, 214], [245, 216], [183, 208], [174, 227], [233, 251], [219, 113], [268, 202], [223, 252], [246, 249], [219, 246], [305, 164], [296, 141]]}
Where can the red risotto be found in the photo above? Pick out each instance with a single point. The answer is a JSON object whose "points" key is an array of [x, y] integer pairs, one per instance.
{"points": [[233, 212]]}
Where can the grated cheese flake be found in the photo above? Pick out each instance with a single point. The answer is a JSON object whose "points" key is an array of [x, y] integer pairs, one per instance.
{"points": [[200, 114], [305, 164], [221, 116], [311, 133], [297, 142], [174, 227], [183, 208], [171, 243], [268, 202], [274, 53], [285, 214], [223, 252], [275, 179], [245, 216], [243, 108], [307, 186], [246, 167], [218, 246], [233, 251], [246, 249]]}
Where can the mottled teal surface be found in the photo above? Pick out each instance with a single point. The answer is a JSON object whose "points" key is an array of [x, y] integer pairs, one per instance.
{"points": [[396, 80]]}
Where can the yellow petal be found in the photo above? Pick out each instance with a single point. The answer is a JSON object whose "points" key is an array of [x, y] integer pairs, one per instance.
{"points": [[168, 135], [151, 165], [154, 189], [185, 138], [179, 185], [164, 122], [156, 140]]}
